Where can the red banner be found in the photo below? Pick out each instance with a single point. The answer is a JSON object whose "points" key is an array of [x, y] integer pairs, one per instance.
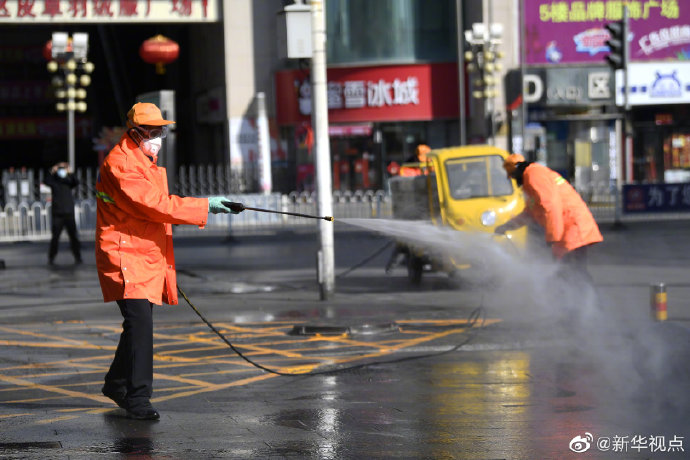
{"points": [[417, 92]]}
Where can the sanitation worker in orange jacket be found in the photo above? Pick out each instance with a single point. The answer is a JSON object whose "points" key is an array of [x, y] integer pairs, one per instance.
{"points": [[418, 157], [134, 251], [568, 224]]}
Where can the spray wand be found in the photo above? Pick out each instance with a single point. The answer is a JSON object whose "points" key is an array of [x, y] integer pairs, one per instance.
{"points": [[239, 207]]}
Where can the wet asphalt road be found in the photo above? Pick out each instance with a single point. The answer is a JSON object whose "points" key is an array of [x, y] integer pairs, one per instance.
{"points": [[405, 375]]}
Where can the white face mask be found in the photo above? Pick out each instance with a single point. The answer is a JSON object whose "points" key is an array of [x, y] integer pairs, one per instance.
{"points": [[152, 146], [62, 173]]}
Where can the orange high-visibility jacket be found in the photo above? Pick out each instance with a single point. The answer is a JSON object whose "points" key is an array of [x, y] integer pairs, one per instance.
{"points": [[134, 250], [556, 206]]}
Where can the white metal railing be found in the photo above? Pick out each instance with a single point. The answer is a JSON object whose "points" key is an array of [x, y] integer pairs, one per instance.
{"points": [[25, 221]]}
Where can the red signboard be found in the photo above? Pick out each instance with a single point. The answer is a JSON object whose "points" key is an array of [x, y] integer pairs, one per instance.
{"points": [[417, 92]]}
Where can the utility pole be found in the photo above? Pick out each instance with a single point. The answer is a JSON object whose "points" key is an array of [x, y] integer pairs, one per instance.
{"points": [[265, 179], [326, 260]]}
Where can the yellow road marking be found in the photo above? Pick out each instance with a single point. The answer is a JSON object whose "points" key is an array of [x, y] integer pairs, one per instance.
{"points": [[57, 419], [216, 387], [57, 363], [83, 345], [13, 415], [17, 401], [50, 388], [192, 385], [46, 336], [192, 350]]}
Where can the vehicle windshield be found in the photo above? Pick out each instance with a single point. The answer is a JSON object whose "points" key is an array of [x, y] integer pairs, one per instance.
{"points": [[480, 176]]}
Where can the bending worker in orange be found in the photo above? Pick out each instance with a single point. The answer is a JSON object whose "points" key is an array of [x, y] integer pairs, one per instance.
{"points": [[568, 224], [134, 251]]}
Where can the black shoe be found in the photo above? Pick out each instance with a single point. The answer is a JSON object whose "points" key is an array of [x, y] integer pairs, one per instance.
{"points": [[143, 413], [51, 261], [118, 397], [78, 261]]}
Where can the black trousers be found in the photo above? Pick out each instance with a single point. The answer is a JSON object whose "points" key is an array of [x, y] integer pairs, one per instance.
{"points": [[60, 221], [131, 372], [574, 266]]}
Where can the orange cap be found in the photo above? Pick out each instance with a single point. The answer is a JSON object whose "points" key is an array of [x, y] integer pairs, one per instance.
{"points": [[511, 162], [145, 113], [422, 150]]}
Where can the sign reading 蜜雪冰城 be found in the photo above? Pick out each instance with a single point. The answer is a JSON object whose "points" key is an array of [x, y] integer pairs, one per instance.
{"points": [[572, 31], [367, 94], [112, 11]]}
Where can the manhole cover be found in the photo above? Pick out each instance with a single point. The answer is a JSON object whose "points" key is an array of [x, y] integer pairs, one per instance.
{"points": [[362, 329]]}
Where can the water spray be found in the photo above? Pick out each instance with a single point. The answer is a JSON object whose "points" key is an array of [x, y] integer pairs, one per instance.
{"points": [[239, 207]]}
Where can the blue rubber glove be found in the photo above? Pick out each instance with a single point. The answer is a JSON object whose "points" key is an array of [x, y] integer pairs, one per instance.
{"points": [[216, 206]]}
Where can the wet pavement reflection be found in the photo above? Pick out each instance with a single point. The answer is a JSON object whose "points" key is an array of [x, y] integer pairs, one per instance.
{"points": [[519, 388]]}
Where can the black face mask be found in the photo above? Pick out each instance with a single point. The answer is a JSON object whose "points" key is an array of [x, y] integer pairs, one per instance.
{"points": [[520, 171]]}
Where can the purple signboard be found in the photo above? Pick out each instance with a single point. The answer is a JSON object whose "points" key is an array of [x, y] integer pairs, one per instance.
{"points": [[572, 31]]}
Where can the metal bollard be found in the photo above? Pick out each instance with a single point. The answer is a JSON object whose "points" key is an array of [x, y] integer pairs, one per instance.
{"points": [[658, 302]]}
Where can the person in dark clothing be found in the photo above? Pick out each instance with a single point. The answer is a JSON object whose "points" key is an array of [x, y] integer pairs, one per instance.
{"points": [[61, 182]]}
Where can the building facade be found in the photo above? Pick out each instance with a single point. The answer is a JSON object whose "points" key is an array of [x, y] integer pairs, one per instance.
{"points": [[393, 72], [573, 99]]}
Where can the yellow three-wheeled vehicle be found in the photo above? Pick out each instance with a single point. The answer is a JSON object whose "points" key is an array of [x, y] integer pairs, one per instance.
{"points": [[462, 188]]}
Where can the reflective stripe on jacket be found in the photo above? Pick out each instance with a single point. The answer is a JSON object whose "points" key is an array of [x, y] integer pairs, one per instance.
{"points": [[556, 206], [134, 251]]}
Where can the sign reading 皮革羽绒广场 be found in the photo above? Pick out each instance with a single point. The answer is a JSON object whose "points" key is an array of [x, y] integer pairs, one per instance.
{"points": [[113, 11]]}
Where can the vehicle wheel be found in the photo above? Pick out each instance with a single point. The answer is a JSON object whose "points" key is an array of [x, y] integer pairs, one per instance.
{"points": [[415, 266], [455, 279]]}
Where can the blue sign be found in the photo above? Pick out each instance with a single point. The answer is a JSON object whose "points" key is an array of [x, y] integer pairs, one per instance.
{"points": [[656, 198]]}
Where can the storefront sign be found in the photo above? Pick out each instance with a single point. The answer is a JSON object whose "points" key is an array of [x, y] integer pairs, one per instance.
{"points": [[107, 11], [41, 128], [361, 129], [24, 91], [572, 31], [661, 119], [365, 94], [575, 86], [655, 83], [656, 198]]}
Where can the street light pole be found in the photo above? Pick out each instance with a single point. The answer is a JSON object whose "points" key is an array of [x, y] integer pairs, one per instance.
{"points": [[326, 260], [69, 55], [482, 58], [70, 134]]}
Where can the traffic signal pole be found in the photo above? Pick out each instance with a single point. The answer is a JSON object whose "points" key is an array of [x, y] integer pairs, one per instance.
{"points": [[618, 59], [626, 134]]}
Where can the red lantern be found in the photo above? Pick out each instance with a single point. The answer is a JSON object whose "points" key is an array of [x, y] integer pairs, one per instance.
{"points": [[159, 50]]}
